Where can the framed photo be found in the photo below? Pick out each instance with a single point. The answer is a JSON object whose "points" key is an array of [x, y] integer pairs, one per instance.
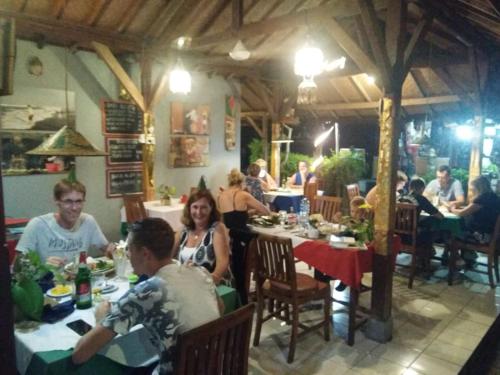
{"points": [[123, 181], [189, 119], [189, 151]]}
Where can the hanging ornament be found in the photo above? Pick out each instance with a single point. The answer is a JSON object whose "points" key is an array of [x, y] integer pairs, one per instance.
{"points": [[307, 91]]}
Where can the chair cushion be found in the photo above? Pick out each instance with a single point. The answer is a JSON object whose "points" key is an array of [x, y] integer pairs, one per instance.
{"points": [[305, 285]]}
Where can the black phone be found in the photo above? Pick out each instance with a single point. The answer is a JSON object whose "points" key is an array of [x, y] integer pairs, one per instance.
{"points": [[79, 326]]}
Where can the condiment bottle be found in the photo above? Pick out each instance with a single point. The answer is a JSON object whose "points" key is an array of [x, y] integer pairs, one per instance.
{"points": [[83, 286], [133, 280]]}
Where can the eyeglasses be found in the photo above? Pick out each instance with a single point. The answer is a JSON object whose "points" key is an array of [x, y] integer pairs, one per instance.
{"points": [[71, 202]]}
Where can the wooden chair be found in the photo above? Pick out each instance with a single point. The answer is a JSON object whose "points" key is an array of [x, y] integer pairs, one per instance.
{"points": [[406, 226], [217, 347], [321, 183], [310, 191], [352, 191], [490, 249], [278, 281], [134, 208], [326, 206]]}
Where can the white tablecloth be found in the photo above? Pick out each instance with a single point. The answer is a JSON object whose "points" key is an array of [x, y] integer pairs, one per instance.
{"points": [[171, 214], [57, 336], [281, 232]]}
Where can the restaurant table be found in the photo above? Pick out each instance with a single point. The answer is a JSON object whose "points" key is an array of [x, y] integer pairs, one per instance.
{"points": [[171, 214], [347, 265], [48, 349], [284, 199], [450, 223]]}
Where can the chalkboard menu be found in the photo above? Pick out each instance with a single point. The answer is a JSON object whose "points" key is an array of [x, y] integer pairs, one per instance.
{"points": [[121, 118], [121, 181], [123, 151]]}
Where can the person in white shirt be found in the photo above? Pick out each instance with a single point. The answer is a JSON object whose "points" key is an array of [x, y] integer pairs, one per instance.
{"points": [[174, 299], [59, 237]]}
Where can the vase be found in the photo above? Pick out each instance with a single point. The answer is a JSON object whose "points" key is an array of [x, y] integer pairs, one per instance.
{"points": [[165, 201]]}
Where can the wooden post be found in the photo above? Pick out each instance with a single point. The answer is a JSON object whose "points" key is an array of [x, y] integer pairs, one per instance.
{"points": [[265, 138], [476, 150], [275, 152]]}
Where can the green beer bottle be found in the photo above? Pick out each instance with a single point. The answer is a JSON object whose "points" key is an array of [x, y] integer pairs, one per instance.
{"points": [[83, 287]]}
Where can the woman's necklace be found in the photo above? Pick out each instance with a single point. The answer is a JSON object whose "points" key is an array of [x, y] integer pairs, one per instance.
{"points": [[197, 235]]}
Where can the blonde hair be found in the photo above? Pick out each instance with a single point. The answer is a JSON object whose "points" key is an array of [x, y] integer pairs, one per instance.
{"points": [[261, 163], [235, 177]]}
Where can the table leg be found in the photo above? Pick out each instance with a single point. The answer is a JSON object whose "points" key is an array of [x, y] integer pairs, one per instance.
{"points": [[353, 304]]}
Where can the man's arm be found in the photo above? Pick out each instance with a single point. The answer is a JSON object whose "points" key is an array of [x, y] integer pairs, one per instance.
{"points": [[91, 343]]}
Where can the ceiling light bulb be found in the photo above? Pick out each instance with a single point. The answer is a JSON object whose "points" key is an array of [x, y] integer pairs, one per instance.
{"points": [[180, 79], [370, 79], [239, 52], [308, 61]]}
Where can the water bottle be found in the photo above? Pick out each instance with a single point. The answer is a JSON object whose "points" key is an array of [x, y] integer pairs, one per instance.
{"points": [[304, 212], [292, 217]]}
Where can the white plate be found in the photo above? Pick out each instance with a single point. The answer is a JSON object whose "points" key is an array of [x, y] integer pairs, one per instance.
{"points": [[51, 294]]}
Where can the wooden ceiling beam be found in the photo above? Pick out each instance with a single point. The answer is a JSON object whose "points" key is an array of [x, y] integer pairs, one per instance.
{"points": [[162, 20], [351, 48], [257, 129], [254, 113], [353, 106], [96, 12], [129, 15], [417, 37], [262, 92], [395, 32], [271, 25], [453, 85], [237, 14], [105, 53], [188, 14], [495, 4], [56, 9], [419, 88], [376, 39], [209, 17], [72, 32]]}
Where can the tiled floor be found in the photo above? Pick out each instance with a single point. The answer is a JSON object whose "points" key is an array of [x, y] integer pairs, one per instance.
{"points": [[436, 327]]}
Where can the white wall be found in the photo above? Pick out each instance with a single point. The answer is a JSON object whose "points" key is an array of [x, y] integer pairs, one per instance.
{"points": [[91, 80]]}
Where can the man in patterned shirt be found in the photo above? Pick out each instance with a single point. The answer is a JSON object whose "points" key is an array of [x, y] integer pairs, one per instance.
{"points": [[174, 299]]}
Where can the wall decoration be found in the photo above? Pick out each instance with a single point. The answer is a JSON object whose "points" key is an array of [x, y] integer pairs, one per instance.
{"points": [[123, 150], [189, 119], [189, 151], [230, 124], [123, 181], [119, 117], [26, 123]]}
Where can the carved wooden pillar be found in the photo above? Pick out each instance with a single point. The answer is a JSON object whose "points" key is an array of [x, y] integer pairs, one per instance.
{"points": [[476, 149], [385, 211], [275, 152], [148, 160]]}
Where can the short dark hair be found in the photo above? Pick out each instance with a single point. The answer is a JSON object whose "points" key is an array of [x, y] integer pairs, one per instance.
{"points": [[444, 168], [65, 186], [417, 184], [253, 170], [155, 234], [187, 220]]}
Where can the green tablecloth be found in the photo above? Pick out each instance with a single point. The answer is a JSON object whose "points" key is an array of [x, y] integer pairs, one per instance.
{"points": [[453, 225], [58, 362]]}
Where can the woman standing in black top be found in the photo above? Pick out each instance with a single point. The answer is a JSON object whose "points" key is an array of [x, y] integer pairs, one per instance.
{"points": [[234, 204]]}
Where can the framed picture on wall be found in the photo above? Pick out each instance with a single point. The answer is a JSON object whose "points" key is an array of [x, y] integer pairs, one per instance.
{"points": [[189, 119], [189, 151], [28, 118]]}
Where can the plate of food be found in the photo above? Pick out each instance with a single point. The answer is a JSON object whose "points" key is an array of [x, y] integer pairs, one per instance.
{"points": [[262, 221], [60, 290], [96, 265]]}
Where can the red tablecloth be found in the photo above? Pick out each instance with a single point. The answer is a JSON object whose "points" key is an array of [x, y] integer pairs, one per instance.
{"points": [[343, 264]]}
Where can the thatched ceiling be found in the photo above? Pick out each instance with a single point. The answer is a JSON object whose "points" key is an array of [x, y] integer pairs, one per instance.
{"points": [[273, 30]]}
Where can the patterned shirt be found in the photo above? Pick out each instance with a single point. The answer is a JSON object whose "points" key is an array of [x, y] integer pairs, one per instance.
{"points": [[166, 304], [254, 187]]}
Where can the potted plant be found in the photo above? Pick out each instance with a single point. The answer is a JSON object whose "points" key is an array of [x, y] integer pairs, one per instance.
{"points": [[166, 193], [26, 292]]}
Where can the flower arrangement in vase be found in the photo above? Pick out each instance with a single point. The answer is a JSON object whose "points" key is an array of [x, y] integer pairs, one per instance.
{"points": [[166, 193]]}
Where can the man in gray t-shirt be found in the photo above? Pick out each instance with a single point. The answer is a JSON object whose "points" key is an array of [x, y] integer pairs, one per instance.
{"points": [[58, 237], [448, 189]]}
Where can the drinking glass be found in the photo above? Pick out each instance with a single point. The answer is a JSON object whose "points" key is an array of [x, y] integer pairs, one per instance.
{"points": [[283, 216]]}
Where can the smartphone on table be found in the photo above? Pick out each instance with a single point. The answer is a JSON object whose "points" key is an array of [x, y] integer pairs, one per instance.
{"points": [[79, 326]]}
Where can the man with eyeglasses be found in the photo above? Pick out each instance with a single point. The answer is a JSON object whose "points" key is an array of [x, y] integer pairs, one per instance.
{"points": [[59, 237], [174, 299]]}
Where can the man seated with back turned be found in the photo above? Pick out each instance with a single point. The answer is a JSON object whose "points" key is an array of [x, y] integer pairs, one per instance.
{"points": [[59, 237], [175, 298], [449, 190]]}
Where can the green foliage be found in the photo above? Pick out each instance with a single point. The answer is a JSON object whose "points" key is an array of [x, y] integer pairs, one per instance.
{"points": [[289, 167], [166, 191], [26, 293], [342, 169], [256, 147]]}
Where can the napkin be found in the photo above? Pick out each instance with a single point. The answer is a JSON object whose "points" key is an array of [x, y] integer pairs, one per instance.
{"points": [[52, 314]]}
